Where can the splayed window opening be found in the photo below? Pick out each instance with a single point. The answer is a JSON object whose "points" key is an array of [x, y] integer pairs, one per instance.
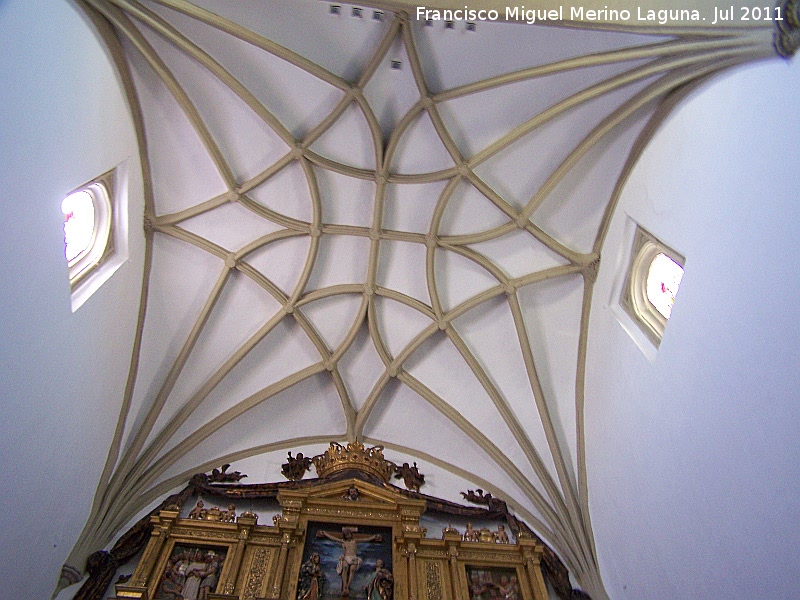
{"points": [[88, 236], [654, 276], [95, 232]]}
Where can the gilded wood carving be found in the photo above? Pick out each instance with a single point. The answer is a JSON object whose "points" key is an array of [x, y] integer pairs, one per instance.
{"points": [[348, 535]]}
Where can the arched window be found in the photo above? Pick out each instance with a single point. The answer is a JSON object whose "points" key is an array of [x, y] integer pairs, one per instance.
{"points": [[91, 233], [652, 283], [87, 229]]}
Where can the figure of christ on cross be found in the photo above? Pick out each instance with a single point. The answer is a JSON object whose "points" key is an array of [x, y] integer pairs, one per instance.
{"points": [[349, 561]]}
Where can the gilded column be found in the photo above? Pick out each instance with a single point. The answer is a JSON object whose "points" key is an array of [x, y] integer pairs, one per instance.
{"points": [[412, 571], [162, 523], [532, 553], [281, 567], [245, 523], [453, 539]]}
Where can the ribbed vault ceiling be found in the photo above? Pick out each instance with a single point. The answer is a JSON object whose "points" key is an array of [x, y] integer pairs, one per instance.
{"points": [[341, 249]]}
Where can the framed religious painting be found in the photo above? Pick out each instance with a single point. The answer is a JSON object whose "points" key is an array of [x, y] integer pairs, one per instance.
{"points": [[493, 583], [191, 572], [346, 561]]}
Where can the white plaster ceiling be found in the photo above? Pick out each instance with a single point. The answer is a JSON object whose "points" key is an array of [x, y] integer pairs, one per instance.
{"points": [[340, 249]]}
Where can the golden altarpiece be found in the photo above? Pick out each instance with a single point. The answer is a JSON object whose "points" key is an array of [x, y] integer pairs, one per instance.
{"points": [[348, 534]]}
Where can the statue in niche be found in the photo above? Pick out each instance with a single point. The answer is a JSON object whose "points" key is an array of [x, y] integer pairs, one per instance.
{"points": [[349, 561], [311, 585], [411, 476], [296, 466], [381, 584]]}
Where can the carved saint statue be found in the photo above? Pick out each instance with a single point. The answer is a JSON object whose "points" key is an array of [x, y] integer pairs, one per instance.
{"points": [[349, 561], [381, 584], [312, 580]]}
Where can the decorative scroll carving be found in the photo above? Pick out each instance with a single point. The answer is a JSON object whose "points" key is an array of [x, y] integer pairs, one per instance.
{"points": [[228, 536], [477, 555], [343, 512], [222, 476], [787, 35], [478, 497], [433, 579], [102, 565], [69, 576], [258, 572], [431, 553]]}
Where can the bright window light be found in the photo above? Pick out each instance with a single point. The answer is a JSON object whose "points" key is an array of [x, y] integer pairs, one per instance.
{"points": [[651, 284], [89, 234], [95, 232], [663, 279], [79, 224]]}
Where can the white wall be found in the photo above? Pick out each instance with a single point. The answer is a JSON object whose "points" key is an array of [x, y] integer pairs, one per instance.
{"points": [[693, 458], [63, 121]]}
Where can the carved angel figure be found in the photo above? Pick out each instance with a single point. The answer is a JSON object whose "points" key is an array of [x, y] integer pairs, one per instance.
{"points": [[198, 512], [296, 466], [223, 476], [229, 516], [501, 537], [411, 476], [471, 535]]}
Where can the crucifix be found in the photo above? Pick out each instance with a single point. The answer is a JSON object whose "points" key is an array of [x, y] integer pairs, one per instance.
{"points": [[349, 561]]}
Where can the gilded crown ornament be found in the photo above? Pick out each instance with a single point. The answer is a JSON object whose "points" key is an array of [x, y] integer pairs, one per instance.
{"points": [[354, 456]]}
